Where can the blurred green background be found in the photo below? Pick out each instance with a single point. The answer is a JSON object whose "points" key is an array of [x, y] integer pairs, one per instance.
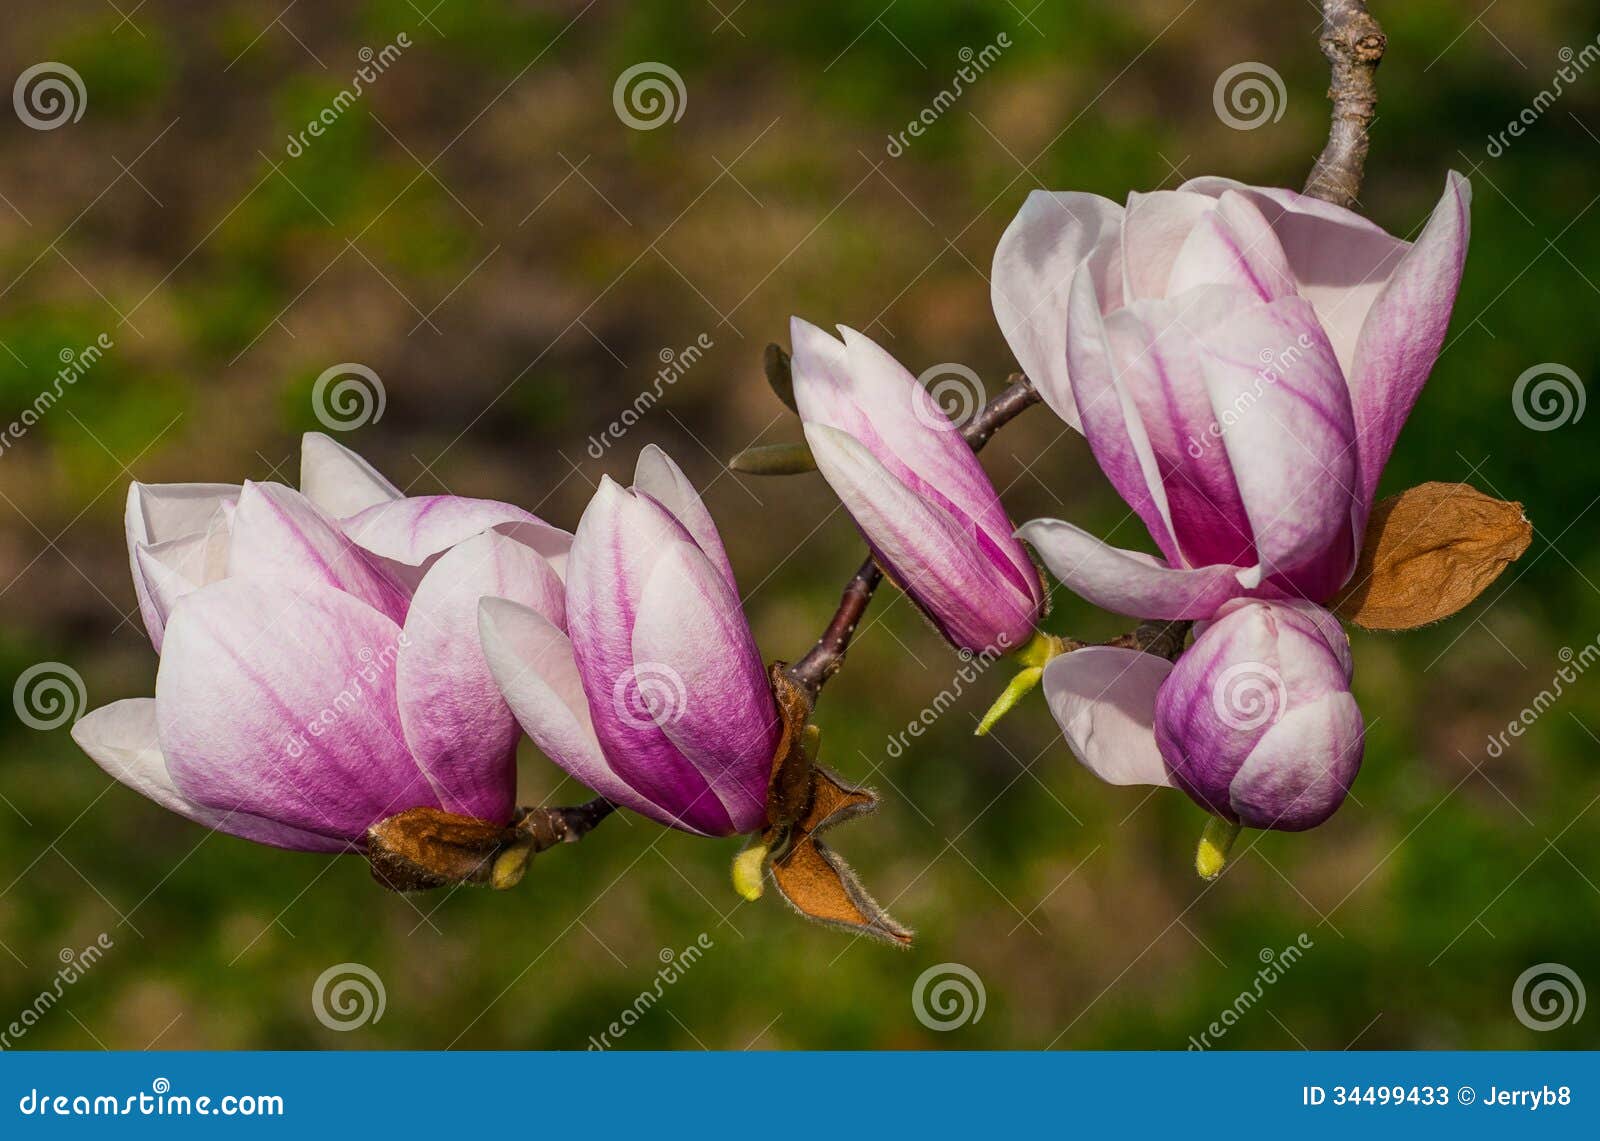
{"points": [[483, 231]]}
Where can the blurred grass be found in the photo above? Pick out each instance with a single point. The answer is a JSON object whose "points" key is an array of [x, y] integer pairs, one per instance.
{"points": [[484, 182]]}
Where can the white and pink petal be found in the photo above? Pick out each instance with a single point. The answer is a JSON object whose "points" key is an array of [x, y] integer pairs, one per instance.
{"points": [[278, 700]]}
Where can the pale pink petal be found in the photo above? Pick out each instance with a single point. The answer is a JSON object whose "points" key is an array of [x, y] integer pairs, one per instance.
{"points": [[619, 540], [1126, 582], [339, 481], [1104, 699], [533, 665], [1111, 420], [1405, 329], [712, 697], [121, 738], [1033, 269], [1158, 347], [949, 574], [456, 725], [1154, 229], [1299, 772], [159, 512], [857, 388], [279, 701], [1339, 259], [867, 394], [165, 572], [1233, 245], [410, 533], [1290, 436], [661, 479], [281, 536]]}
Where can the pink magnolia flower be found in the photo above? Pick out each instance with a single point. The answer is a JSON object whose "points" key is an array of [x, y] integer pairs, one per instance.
{"points": [[654, 695], [915, 489], [318, 675], [1255, 722], [1240, 360]]}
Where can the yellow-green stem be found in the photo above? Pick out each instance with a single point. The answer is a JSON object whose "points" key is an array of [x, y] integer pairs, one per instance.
{"points": [[1215, 844], [748, 868], [1015, 691], [1033, 657]]}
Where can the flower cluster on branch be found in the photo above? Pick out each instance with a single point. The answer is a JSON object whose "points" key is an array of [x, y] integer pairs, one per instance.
{"points": [[344, 668]]}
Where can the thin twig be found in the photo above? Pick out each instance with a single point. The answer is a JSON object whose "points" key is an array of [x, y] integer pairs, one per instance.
{"points": [[1354, 44], [547, 827]]}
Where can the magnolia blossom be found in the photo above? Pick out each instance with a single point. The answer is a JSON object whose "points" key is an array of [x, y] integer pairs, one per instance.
{"points": [[320, 662], [654, 694], [1240, 360], [915, 489], [1255, 722]]}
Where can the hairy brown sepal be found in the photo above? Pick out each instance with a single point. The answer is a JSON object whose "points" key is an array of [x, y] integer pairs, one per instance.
{"points": [[1429, 552], [803, 801], [425, 848]]}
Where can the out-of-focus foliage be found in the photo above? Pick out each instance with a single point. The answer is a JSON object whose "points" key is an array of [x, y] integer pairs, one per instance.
{"points": [[482, 230]]}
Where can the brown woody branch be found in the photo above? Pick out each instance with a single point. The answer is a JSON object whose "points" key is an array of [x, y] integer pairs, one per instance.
{"points": [[1354, 44]]}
